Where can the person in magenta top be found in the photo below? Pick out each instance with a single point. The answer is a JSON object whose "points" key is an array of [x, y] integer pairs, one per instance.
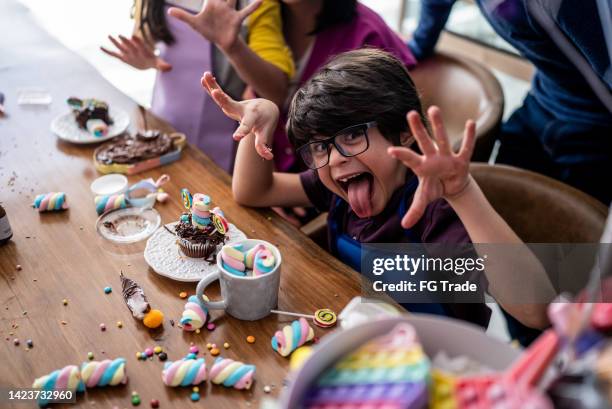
{"points": [[332, 27]]}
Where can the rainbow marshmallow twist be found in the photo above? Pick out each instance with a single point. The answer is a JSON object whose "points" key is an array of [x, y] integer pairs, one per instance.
{"points": [[232, 374], [110, 202], [259, 258], [292, 336], [200, 210], [184, 372], [104, 373], [195, 314], [67, 378], [52, 201]]}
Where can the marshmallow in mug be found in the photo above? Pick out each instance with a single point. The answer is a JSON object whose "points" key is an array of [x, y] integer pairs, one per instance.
{"points": [[254, 262]]}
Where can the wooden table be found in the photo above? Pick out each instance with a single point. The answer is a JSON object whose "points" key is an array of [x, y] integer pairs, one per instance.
{"points": [[62, 257]]}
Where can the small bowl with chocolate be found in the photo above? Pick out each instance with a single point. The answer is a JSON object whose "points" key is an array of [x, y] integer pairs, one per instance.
{"points": [[131, 154]]}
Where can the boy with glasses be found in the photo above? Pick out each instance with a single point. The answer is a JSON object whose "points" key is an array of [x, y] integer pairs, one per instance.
{"points": [[348, 124]]}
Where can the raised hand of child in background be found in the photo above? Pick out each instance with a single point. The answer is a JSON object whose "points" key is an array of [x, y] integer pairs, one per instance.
{"points": [[441, 172], [135, 52], [257, 116], [218, 21]]}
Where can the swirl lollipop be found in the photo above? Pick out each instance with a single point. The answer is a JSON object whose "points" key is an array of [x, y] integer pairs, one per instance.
{"points": [[187, 199], [323, 318]]}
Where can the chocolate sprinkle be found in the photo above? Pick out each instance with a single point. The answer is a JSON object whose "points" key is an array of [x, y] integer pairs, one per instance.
{"points": [[134, 297]]}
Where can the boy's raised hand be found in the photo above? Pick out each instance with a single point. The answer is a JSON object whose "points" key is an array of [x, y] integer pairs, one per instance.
{"points": [[218, 21], [441, 172], [257, 116], [135, 52]]}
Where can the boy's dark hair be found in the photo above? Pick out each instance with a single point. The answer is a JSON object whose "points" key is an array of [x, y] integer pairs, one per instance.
{"points": [[354, 87], [332, 12], [152, 22]]}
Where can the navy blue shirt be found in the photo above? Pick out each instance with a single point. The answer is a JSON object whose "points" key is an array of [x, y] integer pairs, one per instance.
{"points": [[558, 85]]}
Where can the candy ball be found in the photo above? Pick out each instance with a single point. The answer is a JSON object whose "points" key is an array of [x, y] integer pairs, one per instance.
{"points": [[195, 396], [157, 349], [226, 345], [250, 339], [154, 403], [90, 355], [267, 389], [191, 356], [119, 324], [162, 356], [211, 326], [215, 352], [102, 327], [16, 341], [108, 290], [149, 352], [135, 400], [30, 343], [195, 389], [153, 319], [183, 294], [65, 301], [194, 349]]}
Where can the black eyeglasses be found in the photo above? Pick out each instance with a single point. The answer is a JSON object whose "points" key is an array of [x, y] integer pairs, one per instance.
{"points": [[348, 142]]}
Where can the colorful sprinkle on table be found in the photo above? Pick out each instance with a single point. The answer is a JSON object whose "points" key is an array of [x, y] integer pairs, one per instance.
{"points": [[250, 339], [108, 290]]}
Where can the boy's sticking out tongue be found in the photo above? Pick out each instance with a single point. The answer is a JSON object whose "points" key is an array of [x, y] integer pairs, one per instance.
{"points": [[359, 195]]}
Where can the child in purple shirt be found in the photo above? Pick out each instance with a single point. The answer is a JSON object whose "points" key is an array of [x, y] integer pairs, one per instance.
{"points": [[348, 124]]}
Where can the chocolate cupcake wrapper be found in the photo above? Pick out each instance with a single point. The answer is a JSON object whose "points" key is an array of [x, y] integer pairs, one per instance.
{"points": [[193, 250]]}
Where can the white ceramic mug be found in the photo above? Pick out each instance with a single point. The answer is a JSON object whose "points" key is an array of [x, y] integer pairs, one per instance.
{"points": [[246, 298]]}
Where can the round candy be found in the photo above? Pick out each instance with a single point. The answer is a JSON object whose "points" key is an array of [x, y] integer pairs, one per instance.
{"points": [[250, 339], [187, 198], [157, 349], [191, 355], [30, 343], [154, 403], [194, 349], [135, 400], [163, 356], [299, 356], [90, 355], [183, 294], [215, 351], [325, 318], [149, 352], [108, 290], [153, 319], [195, 396], [102, 327], [211, 326]]}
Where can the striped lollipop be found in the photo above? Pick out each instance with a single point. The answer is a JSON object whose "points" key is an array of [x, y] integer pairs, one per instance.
{"points": [[184, 372], [232, 374], [67, 378], [292, 336], [104, 373], [52, 201]]}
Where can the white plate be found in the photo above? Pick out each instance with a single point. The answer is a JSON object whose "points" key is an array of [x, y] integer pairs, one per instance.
{"points": [[165, 258], [435, 333], [67, 129], [129, 225]]}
